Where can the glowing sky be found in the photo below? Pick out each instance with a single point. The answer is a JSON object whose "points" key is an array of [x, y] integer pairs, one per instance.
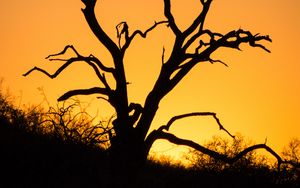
{"points": [[257, 95]]}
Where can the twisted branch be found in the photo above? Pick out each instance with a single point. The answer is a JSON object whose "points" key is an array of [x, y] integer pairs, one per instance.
{"points": [[175, 118]]}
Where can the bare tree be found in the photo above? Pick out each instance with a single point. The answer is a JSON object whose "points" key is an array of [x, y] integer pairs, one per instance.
{"points": [[131, 139]]}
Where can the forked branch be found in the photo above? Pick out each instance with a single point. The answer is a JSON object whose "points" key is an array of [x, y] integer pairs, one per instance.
{"points": [[92, 61], [199, 21], [232, 39]]}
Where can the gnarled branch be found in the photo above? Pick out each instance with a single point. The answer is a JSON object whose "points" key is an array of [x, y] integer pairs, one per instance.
{"points": [[175, 118], [128, 39], [144, 34], [91, 60], [232, 39]]}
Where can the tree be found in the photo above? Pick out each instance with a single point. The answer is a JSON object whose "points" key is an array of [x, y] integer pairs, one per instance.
{"points": [[130, 139]]}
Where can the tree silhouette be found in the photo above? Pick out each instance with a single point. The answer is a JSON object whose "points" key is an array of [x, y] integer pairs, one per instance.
{"points": [[130, 138]]}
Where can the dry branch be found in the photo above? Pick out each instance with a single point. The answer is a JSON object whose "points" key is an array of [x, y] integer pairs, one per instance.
{"points": [[175, 118], [92, 61], [128, 39]]}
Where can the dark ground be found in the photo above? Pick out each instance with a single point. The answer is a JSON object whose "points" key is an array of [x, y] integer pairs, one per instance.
{"points": [[31, 160]]}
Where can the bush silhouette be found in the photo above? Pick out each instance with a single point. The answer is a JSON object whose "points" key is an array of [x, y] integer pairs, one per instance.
{"points": [[33, 156]]}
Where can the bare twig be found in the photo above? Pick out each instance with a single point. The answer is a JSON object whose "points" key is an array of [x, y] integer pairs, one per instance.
{"points": [[212, 61], [64, 51]]}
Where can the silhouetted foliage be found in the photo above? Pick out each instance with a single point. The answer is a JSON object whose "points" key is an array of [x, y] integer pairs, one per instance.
{"points": [[70, 122], [229, 148], [252, 167], [32, 155], [291, 173], [40, 157]]}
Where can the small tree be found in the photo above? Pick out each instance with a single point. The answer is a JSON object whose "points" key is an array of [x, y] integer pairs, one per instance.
{"points": [[130, 138]]}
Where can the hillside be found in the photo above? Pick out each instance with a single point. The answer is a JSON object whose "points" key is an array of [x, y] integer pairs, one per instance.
{"points": [[32, 158]]}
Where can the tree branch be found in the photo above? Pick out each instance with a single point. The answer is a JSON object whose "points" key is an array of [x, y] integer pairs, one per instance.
{"points": [[64, 51], [158, 134], [94, 90], [89, 60], [65, 65], [170, 18], [129, 39], [120, 97], [200, 33], [91, 19], [212, 61], [199, 21], [144, 34], [100, 64], [175, 118], [232, 39]]}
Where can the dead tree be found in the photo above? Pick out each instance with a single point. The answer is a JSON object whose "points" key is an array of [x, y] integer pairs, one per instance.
{"points": [[131, 140]]}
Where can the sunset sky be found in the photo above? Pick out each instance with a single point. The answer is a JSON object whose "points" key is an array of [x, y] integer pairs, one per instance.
{"points": [[257, 95]]}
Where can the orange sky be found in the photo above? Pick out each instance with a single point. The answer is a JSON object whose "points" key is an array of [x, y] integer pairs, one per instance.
{"points": [[257, 95]]}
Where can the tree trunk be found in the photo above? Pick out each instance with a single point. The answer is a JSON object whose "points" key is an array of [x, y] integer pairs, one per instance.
{"points": [[126, 158]]}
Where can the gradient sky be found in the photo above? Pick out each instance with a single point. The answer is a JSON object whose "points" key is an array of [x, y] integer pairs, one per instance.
{"points": [[257, 95]]}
